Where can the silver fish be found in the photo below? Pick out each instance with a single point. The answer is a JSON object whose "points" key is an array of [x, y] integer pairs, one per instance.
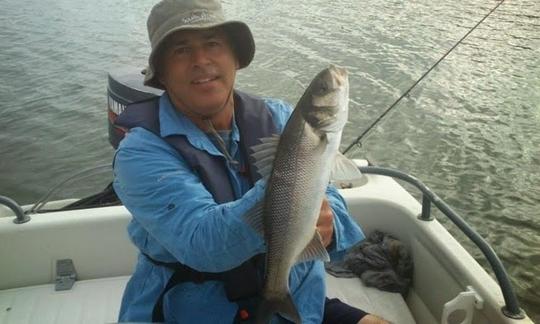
{"points": [[298, 164]]}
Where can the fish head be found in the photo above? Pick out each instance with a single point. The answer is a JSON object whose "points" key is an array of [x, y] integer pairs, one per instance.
{"points": [[325, 103]]}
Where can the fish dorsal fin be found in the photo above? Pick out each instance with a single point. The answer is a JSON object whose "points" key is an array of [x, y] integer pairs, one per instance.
{"points": [[344, 171], [315, 250], [264, 154], [254, 217]]}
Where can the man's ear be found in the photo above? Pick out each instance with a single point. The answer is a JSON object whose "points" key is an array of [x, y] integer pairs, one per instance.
{"points": [[159, 77]]}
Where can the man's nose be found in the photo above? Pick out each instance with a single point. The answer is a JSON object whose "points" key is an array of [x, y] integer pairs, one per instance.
{"points": [[199, 56]]}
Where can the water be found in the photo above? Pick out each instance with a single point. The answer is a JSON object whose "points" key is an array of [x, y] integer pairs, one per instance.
{"points": [[470, 130]]}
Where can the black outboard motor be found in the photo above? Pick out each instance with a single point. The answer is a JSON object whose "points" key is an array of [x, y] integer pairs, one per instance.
{"points": [[125, 86]]}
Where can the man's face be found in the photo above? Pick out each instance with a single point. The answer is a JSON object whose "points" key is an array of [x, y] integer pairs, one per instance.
{"points": [[198, 68]]}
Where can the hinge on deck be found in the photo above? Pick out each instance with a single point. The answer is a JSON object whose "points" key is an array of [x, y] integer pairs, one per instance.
{"points": [[65, 275]]}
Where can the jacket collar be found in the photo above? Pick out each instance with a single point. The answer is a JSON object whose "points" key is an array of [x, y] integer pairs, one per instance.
{"points": [[174, 122]]}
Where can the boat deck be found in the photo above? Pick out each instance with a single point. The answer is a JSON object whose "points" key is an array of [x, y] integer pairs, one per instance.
{"points": [[89, 301], [98, 301]]}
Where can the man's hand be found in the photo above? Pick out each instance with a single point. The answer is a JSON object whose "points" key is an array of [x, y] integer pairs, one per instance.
{"points": [[325, 223]]}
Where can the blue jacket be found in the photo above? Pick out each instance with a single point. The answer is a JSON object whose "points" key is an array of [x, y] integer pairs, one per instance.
{"points": [[176, 219]]}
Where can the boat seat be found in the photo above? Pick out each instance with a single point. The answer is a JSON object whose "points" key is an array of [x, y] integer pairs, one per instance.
{"points": [[98, 301], [390, 306]]}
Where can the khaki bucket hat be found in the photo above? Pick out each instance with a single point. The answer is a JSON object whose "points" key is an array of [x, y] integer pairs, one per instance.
{"points": [[169, 16]]}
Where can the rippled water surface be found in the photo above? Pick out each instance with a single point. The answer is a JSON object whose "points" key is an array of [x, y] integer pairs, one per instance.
{"points": [[470, 130]]}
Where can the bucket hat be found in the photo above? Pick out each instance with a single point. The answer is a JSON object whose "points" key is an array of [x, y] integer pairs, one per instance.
{"points": [[170, 16]]}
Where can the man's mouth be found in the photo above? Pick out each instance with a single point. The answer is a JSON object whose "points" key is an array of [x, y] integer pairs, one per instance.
{"points": [[204, 80]]}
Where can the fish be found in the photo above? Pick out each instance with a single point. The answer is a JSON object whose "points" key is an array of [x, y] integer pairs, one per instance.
{"points": [[297, 165]]}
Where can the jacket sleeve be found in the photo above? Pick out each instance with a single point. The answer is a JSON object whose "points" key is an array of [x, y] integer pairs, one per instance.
{"points": [[346, 231], [173, 213]]}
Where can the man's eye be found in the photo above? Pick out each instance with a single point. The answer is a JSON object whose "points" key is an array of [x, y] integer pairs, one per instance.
{"points": [[213, 43], [181, 50]]}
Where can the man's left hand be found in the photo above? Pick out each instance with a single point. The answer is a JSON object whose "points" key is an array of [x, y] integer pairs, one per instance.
{"points": [[325, 223]]}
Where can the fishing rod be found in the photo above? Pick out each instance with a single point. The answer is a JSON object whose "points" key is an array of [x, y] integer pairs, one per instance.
{"points": [[406, 93]]}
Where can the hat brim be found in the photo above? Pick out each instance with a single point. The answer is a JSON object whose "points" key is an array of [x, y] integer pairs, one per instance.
{"points": [[238, 33]]}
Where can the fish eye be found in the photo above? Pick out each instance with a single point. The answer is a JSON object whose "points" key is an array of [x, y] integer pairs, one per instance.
{"points": [[323, 88]]}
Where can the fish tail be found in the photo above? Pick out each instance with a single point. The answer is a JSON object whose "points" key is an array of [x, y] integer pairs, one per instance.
{"points": [[285, 307]]}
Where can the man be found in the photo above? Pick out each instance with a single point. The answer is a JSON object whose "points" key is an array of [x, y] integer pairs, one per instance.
{"points": [[184, 174]]}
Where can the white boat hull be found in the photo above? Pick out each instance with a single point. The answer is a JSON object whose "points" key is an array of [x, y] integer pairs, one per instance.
{"points": [[97, 242]]}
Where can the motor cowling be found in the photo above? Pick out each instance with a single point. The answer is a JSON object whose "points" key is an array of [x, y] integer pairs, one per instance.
{"points": [[125, 86]]}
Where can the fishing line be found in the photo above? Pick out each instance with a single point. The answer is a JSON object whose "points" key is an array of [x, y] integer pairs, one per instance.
{"points": [[406, 93]]}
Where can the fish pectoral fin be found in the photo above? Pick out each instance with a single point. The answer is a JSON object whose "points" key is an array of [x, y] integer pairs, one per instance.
{"points": [[315, 250], [264, 154], [254, 217], [344, 170]]}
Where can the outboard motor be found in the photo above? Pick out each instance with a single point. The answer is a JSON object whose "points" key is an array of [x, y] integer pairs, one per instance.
{"points": [[125, 86]]}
